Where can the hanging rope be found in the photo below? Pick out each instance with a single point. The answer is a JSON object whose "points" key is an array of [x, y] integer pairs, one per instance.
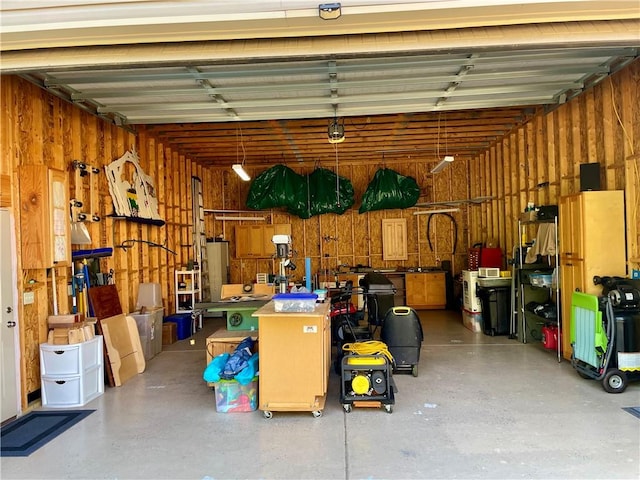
{"points": [[335, 146], [455, 230]]}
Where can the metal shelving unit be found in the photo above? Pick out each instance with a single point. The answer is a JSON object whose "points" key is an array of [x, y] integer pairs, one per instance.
{"points": [[527, 292]]}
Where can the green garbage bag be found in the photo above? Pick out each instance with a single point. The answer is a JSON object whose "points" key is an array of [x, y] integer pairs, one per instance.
{"points": [[278, 186], [388, 190], [301, 195], [329, 193]]}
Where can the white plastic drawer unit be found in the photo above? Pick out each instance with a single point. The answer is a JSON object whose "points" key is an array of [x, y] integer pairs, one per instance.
{"points": [[73, 390], [70, 359], [71, 375]]}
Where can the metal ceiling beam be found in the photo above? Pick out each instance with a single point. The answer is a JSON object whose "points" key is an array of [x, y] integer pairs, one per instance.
{"points": [[294, 67], [408, 80], [430, 97]]}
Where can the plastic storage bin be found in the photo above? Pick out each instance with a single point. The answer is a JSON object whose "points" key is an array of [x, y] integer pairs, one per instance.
{"points": [[541, 280], [184, 324], [472, 321], [295, 302], [150, 330], [149, 295], [232, 396]]}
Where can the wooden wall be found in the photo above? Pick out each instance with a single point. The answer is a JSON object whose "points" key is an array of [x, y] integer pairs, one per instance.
{"points": [[540, 161], [352, 238], [39, 128]]}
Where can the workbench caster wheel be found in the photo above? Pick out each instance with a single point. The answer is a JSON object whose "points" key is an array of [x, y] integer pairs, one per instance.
{"points": [[317, 413], [615, 381], [347, 407], [267, 414], [389, 408], [414, 370]]}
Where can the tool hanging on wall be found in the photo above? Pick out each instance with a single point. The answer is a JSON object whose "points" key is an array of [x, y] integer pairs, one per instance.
{"points": [[85, 209]]}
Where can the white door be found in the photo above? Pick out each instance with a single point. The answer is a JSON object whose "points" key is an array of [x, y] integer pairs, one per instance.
{"points": [[8, 371]]}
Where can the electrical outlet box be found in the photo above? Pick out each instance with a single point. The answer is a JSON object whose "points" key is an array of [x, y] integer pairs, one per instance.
{"points": [[28, 298]]}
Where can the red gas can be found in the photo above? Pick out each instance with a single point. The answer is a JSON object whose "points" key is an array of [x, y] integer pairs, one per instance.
{"points": [[550, 337]]}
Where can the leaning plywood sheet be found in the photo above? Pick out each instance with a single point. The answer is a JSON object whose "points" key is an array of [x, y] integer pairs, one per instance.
{"points": [[122, 340], [105, 303]]}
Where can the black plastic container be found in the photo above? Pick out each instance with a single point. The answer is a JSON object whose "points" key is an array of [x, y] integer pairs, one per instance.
{"points": [[496, 305], [627, 336], [379, 294]]}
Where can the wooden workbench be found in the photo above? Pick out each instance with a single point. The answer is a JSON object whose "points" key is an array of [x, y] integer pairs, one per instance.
{"points": [[295, 358]]}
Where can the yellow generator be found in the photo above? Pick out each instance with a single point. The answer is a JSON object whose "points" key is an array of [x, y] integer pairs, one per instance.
{"points": [[366, 381]]}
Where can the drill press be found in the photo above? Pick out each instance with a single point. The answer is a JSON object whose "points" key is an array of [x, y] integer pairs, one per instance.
{"points": [[283, 252]]}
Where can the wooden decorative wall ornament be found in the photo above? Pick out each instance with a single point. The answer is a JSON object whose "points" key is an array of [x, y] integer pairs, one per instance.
{"points": [[132, 191]]}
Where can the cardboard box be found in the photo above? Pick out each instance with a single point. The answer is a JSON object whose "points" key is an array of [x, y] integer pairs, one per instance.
{"points": [[530, 216], [64, 320], [184, 324], [169, 333]]}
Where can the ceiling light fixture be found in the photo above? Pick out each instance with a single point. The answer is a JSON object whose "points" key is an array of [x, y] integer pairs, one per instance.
{"points": [[239, 167], [443, 163], [447, 158], [240, 171]]}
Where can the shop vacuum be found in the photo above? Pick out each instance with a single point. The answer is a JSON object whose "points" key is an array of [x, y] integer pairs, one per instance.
{"points": [[605, 333], [402, 333]]}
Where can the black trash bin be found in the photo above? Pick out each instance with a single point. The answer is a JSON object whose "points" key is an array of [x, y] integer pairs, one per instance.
{"points": [[379, 294], [496, 306]]}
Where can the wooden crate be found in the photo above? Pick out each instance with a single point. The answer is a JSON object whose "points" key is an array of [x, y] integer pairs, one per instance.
{"points": [[225, 341]]}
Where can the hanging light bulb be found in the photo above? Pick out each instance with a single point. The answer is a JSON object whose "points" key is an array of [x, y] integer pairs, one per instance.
{"points": [[335, 133]]}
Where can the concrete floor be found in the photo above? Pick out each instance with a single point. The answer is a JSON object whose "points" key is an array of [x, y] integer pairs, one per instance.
{"points": [[481, 407]]}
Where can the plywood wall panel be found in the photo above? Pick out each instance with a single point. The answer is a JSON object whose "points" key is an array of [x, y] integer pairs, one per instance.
{"points": [[53, 133], [8, 143], [608, 118], [601, 125], [553, 190]]}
